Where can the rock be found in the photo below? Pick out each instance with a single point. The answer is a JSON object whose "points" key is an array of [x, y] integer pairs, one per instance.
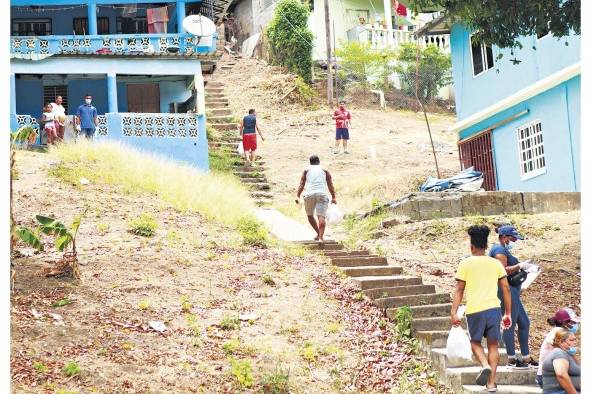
{"points": [[395, 221]]}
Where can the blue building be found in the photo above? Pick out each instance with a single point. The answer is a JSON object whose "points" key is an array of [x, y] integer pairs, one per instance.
{"points": [[518, 115], [144, 72]]}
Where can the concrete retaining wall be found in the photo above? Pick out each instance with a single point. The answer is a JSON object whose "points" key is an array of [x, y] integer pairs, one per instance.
{"points": [[425, 206]]}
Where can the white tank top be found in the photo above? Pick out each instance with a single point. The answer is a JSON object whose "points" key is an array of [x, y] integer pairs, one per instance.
{"points": [[315, 181]]}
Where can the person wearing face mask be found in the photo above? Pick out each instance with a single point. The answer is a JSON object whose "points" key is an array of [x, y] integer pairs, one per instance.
{"points": [[564, 318], [561, 371], [342, 117], [87, 117], [508, 236]]}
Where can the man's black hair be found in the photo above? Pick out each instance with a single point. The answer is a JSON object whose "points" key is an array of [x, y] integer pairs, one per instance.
{"points": [[251, 111], [342, 102], [88, 95], [479, 236], [314, 160]]}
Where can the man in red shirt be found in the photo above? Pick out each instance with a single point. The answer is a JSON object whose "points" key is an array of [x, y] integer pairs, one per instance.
{"points": [[342, 118]]}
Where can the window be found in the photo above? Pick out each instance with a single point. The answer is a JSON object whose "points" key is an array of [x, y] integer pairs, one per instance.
{"points": [[354, 17], [81, 25], [31, 27], [137, 25], [482, 58], [531, 149], [51, 92]]}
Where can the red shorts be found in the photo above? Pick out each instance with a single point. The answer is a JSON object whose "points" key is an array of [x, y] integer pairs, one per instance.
{"points": [[249, 142]]}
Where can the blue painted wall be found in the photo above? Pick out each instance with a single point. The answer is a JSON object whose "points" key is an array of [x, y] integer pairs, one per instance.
{"points": [[78, 88], [552, 109], [573, 96], [29, 97], [62, 21], [476, 93], [172, 91]]}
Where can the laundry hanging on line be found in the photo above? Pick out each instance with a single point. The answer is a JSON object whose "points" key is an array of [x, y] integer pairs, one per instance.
{"points": [[157, 19]]}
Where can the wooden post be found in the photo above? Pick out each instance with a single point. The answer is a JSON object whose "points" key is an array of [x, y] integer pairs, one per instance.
{"points": [[329, 84]]}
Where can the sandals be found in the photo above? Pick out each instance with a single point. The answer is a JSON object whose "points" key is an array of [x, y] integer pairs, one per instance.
{"points": [[491, 389], [482, 377]]}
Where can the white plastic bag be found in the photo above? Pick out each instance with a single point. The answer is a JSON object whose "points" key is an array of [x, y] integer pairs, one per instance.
{"points": [[334, 214], [533, 271], [240, 148], [458, 343]]}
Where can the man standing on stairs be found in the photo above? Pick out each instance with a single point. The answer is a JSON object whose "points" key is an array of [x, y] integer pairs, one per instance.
{"points": [[479, 276], [248, 130], [316, 181], [342, 117]]}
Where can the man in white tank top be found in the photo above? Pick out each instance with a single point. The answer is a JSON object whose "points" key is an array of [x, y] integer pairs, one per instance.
{"points": [[316, 182]]}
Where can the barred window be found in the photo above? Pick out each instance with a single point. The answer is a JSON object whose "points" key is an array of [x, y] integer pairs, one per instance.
{"points": [[482, 57], [531, 149]]}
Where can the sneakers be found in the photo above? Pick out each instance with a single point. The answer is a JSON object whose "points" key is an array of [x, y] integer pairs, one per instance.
{"points": [[517, 364], [533, 363]]}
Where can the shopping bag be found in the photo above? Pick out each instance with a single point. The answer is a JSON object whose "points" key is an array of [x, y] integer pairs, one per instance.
{"points": [[334, 214], [458, 343], [240, 148]]}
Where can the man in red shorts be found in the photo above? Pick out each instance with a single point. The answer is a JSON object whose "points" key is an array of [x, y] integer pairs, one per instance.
{"points": [[342, 118], [248, 129]]}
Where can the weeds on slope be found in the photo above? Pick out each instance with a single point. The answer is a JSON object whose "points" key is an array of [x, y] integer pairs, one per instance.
{"points": [[216, 196]]}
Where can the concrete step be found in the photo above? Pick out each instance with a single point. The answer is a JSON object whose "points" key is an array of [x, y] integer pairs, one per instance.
{"points": [[440, 360], [433, 323], [227, 144], [376, 282], [434, 310], [457, 377], [325, 246], [379, 270], [224, 126], [221, 119], [353, 261], [216, 103], [412, 300], [214, 84], [259, 186], [243, 174], [505, 389], [399, 291], [219, 111], [338, 253], [213, 89], [261, 194], [436, 339], [215, 96], [247, 168], [253, 180], [312, 242]]}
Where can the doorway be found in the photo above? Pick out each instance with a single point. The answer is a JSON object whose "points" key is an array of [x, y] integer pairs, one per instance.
{"points": [[143, 97]]}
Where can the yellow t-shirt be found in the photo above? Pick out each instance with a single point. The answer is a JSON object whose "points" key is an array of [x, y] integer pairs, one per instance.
{"points": [[481, 274]]}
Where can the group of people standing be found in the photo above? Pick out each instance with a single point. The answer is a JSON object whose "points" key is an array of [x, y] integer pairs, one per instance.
{"points": [[53, 119], [492, 282]]}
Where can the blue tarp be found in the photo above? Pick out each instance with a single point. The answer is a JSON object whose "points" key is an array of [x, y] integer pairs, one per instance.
{"points": [[467, 180]]}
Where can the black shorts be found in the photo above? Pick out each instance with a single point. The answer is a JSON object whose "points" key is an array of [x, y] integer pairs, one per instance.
{"points": [[342, 134], [485, 324]]}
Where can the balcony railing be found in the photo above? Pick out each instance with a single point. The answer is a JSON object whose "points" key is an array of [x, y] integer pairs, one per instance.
{"points": [[379, 37], [120, 44]]}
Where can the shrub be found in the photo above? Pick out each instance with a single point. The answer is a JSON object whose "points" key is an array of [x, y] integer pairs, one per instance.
{"points": [[277, 383], [72, 368], [145, 225], [252, 232], [358, 62], [434, 70], [268, 280], [403, 322], [290, 40], [242, 371], [230, 323]]}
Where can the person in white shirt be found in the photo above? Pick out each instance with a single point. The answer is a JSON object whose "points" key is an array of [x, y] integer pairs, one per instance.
{"points": [[59, 113], [316, 181], [48, 119]]}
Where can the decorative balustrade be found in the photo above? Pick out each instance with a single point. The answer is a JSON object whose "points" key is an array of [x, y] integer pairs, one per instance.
{"points": [[379, 37], [121, 44], [159, 125]]}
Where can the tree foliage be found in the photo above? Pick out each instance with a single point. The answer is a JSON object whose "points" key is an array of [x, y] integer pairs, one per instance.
{"points": [[360, 63], [290, 40], [433, 72], [501, 22]]}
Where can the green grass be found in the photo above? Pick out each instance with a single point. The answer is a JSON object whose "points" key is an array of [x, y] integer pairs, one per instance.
{"points": [[230, 323], [252, 231], [242, 372], [220, 160], [72, 368], [218, 197], [362, 229], [62, 302], [144, 225], [40, 367], [276, 383]]}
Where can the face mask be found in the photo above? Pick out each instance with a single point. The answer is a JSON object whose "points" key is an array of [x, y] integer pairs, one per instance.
{"points": [[88, 101], [574, 328], [510, 245], [572, 351]]}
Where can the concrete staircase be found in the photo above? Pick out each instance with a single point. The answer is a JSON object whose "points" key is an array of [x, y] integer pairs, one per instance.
{"points": [[390, 289], [220, 117]]}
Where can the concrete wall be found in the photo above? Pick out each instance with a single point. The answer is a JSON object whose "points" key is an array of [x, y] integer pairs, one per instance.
{"points": [[251, 17], [426, 206], [172, 91], [476, 93]]}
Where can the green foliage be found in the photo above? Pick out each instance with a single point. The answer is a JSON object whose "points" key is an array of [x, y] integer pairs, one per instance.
{"points": [[231, 346], [252, 231], [242, 372], [268, 280], [230, 323], [40, 367], [145, 225], [22, 135], [502, 24], [290, 40], [360, 63], [220, 160], [62, 302], [305, 92], [403, 322], [72, 368], [64, 237], [434, 70], [309, 352], [29, 237], [277, 383], [102, 228]]}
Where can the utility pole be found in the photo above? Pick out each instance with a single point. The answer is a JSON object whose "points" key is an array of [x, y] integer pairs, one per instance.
{"points": [[329, 83]]}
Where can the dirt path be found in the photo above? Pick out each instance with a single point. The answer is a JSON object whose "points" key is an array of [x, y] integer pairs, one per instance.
{"points": [[390, 151], [236, 317]]}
